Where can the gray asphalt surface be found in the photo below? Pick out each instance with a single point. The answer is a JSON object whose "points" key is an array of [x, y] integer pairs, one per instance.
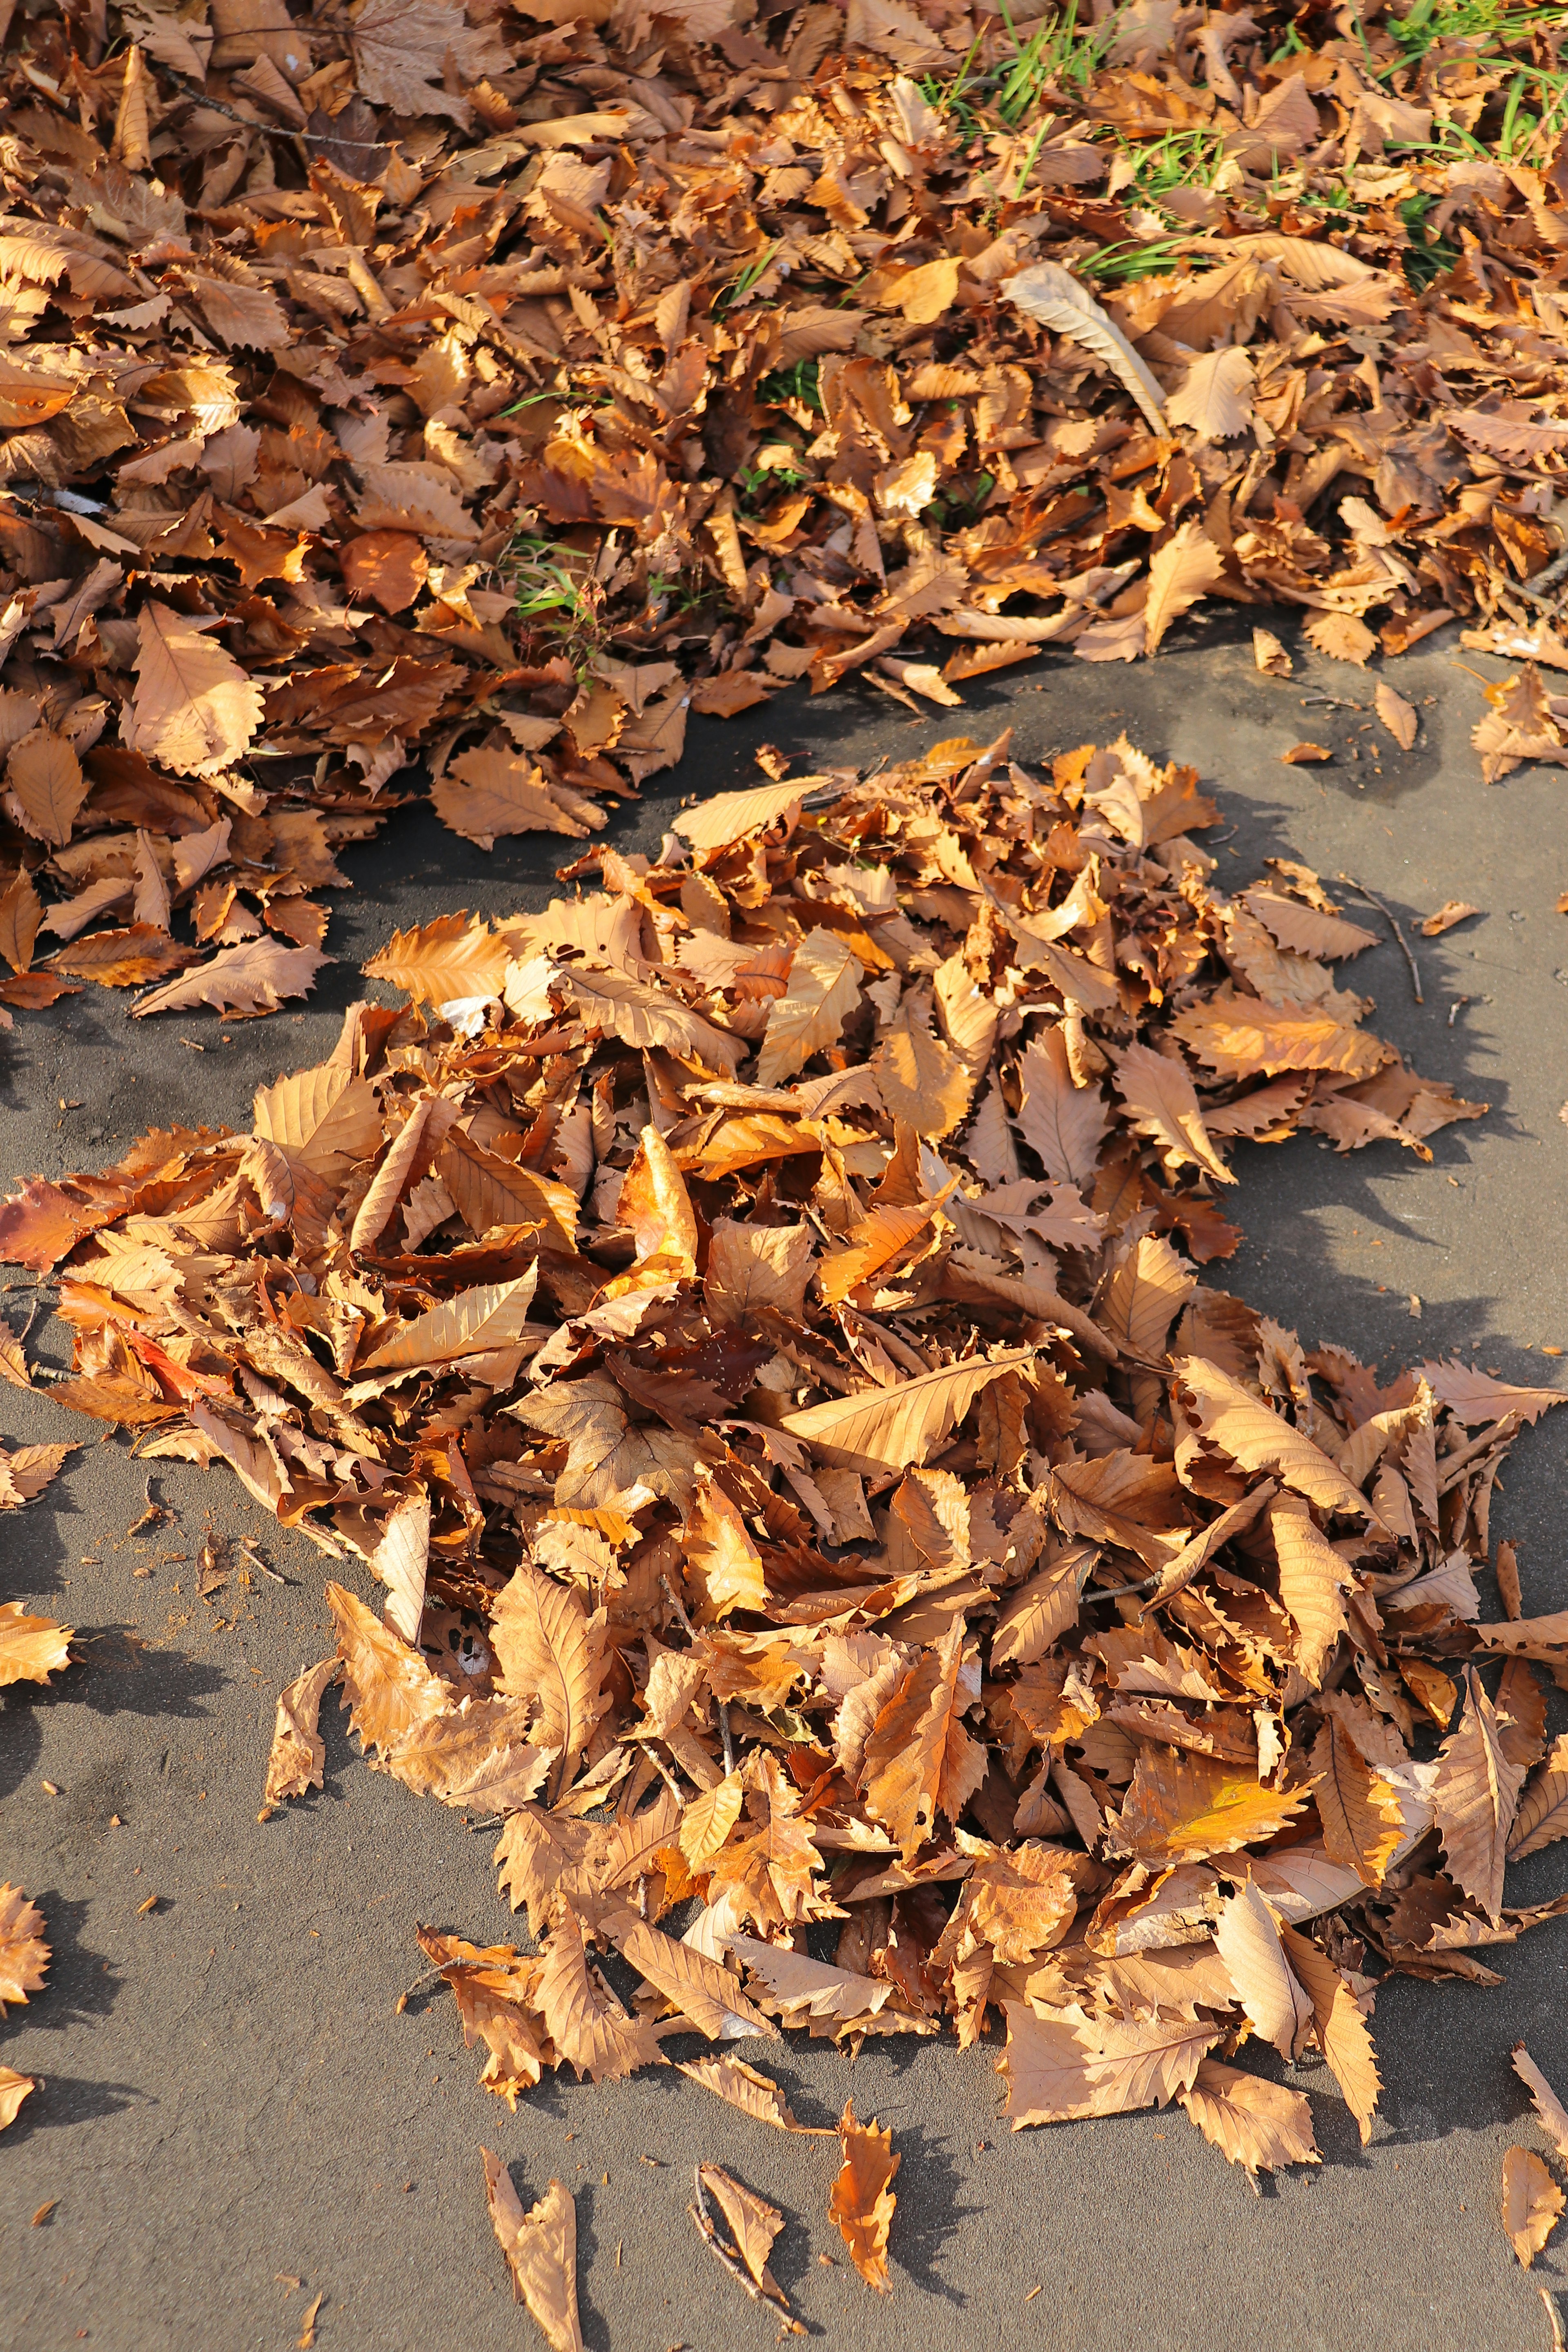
{"points": [[231, 2104]]}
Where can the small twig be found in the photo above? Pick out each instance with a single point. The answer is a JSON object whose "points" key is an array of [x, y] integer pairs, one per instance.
{"points": [[404, 1997], [1558, 2344], [1405, 948], [675, 1602], [1555, 571], [276, 131], [1453, 1008], [730, 2256], [724, 1735]]}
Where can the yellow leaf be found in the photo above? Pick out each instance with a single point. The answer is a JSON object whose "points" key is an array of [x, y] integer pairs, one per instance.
{"points": [[441, 963], [1183, 1807], [901, 1427], [31, 1648]]}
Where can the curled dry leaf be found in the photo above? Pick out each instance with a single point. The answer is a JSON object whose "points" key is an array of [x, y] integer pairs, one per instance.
{"points": [[31, 1648], [1303, 754], [752, 2224], [1397, 715], [862, 2201], [299, 1751], [24, 1955], [14, 2089], [1452, 911], [541, 2249], [1550, 2108], [1531, 2203]]}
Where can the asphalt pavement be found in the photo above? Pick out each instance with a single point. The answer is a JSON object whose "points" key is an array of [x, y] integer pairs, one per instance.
{"points": [[235, 2117]]}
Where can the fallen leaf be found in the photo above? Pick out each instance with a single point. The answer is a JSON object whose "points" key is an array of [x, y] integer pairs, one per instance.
{"points": [[862, 2201], [541, 2249], [1531, 2203]]}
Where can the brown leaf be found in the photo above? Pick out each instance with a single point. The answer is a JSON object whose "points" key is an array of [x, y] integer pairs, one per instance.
{"points": [[31, 1648], [1259, 2124], [549, 1650], [299, 1751], [541, 2249], [24, 1955], [45, 786], [253, 978], [14, 2089], [824, 988], [1397, 715], [1548, 2107], [1531, 2203], [920, 1759], [1180, 574], [1474, 1796], [896, 1427], [586, 2023], [125, 958], [1300, 753], [752, 2091], [862, 2201], [1062, 2067], [387, 566], [195, 709], [453, 958], [1451, 911], [1542, 1815]]}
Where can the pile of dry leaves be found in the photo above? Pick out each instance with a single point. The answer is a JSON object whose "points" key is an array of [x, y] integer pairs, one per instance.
{"points": [[746, 1318], [501, 383]]}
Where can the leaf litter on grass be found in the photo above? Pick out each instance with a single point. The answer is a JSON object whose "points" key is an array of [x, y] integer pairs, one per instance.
{"points": [[834, 1507], [491, 386]]}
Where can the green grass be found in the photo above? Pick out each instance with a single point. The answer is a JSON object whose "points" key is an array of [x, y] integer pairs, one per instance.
{"points": [[1122, 265], [799, 384], [554, 590], [1182, 158], [1426, 257], [1060, 55], [1489, 27]]}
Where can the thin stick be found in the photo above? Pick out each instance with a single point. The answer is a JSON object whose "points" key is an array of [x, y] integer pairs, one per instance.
{"points": [[1555, 571], [674, 1603], [1372, 899], [280, 130]]}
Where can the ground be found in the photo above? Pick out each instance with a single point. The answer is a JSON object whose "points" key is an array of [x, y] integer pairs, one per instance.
{"points": [[233, 2116]]}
